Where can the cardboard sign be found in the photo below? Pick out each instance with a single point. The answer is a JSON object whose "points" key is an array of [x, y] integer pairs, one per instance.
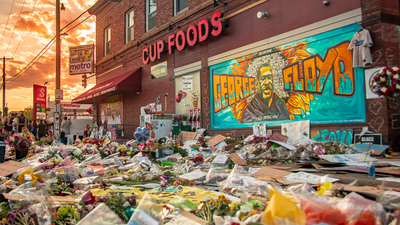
{"points": [[279, 137], [220, 159], [369, 139], [216, 140], [378, 149], [237, 159], [268, 173], [10, 167], [192, 217], [186, 136], [260, 130], [296, 131]]}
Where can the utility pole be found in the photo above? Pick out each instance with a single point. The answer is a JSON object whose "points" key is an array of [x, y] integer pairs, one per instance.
{"points": [[4, 83]]}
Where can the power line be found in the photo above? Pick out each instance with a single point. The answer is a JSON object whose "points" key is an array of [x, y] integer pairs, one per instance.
{"points": [[9, 15], [40, 54], [27, 25], [15, 27]]}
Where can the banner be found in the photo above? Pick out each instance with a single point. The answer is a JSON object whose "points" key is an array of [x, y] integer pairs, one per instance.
{"points": [[81, 59], [309, 79], [39, 99]]}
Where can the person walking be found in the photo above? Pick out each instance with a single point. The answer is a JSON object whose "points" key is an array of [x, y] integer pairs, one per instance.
{"points": [[22, 122], [41, 129], [9, 122], [66, 126]]}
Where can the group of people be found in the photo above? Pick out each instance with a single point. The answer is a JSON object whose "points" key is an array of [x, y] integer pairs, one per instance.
{"points": [[15, 123]]}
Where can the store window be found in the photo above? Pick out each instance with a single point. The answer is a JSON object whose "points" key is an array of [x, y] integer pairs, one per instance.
{"points": [[129, 26], [107, 41], [188, 93], [151, 14], [159, 70], [180, 5]]}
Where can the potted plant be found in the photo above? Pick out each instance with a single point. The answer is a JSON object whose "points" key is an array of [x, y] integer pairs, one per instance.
{"points": [[20, 144], [184, 119]]}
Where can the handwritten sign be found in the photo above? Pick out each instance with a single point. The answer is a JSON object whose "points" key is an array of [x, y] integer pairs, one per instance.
{"points": [[296, 131], [220, 159], [216, 140], [187, 83], [260, 130], [186, 136], [10, 167]]}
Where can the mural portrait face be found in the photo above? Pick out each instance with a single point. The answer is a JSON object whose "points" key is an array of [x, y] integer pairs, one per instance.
{"points": [[265, 81]]}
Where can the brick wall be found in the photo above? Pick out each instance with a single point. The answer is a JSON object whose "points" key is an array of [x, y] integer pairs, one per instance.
{"points": [[380, 17]]}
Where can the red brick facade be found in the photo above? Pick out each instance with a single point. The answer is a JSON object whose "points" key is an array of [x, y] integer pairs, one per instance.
{"points": [[380, 17]]}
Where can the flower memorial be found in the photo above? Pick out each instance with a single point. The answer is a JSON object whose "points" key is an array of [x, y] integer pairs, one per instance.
{"points": [[20, 142], [386, 82]]}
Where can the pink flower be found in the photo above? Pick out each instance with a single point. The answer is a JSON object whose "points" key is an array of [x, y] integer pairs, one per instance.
{"points": [[89, 207]]}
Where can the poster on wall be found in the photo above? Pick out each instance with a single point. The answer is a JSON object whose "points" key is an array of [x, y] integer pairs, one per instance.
{"points": [[190, 84], [296, 131], [111, 109], [309, 79], [187, 83]]}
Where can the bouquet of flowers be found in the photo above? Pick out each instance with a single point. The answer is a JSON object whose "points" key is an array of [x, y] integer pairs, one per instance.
{"points": [[177, 119], [19, 142]]}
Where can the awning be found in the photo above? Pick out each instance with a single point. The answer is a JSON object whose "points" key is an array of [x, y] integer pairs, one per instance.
{"points": [[129, 81]]}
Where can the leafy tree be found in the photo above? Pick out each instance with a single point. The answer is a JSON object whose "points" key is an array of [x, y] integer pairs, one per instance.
{"points": [[28, 113]]}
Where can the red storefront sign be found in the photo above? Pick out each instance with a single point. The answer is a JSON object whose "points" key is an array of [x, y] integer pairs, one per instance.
{"points": [[39, 99], [193, 35]]}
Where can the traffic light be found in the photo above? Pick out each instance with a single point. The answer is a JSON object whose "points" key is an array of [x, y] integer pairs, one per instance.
{"points": [[84, 79]]}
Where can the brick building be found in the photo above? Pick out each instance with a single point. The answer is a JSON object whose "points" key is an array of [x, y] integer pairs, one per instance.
{"points": [[147, 48]]}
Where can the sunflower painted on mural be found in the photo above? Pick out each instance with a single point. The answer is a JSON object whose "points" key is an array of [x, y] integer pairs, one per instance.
{"points": [[268, 100]]}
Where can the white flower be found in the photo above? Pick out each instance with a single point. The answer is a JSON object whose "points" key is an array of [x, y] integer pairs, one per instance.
{"points": [[396, 76], [383, 79], [383, 89], [388, 73], [395, 68], [374, 84], [397, 86], [77, 152]]}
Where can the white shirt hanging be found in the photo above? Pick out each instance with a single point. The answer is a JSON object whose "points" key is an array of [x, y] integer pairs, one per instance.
{"points": [[360, 44]]}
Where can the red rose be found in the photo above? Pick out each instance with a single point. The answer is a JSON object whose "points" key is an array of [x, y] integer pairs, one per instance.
{"points": [[89, 198], [390, 94], [384, 69], [391, 89], [379, 92], [383, 75], [381, 85], [376, 78], [374, 86], [394, 79]]}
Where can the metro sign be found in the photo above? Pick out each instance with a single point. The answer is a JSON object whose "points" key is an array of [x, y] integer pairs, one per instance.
{"points": [[193, 35]]}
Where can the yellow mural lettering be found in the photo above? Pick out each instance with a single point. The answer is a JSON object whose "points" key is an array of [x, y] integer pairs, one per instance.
{"points": [[228, 90], [338, 62]]}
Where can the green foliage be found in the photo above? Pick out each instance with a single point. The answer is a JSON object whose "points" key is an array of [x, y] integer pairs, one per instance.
{"points": [[4, 210], [46, 141], [115, 203], [28, 113], [67, 215]]}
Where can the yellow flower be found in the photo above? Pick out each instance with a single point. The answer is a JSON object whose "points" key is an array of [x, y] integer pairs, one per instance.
{"points": [[4, 220], [21, 176], [128, 153], [175, 184]]}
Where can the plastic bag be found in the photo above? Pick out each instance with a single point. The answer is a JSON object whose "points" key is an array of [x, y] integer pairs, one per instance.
{"points": [[390, 200], [216, 174], [281, 210], [320, 210], [147, 212], [101, 215], [354, 204]]}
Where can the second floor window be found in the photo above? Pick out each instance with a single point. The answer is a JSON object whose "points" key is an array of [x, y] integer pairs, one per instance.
{"points": [[107, 41], [151, 14], [180, 5], [129, 26]]}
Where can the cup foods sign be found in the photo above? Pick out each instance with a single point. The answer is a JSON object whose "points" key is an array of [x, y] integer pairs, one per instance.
{"points": [[81, 59], [193, 35]]}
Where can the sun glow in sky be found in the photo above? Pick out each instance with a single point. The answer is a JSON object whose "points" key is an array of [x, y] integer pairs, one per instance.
{"points": [[30, 27]]}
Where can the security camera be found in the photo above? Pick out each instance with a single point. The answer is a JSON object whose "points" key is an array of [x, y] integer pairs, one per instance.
{"points": [[262, 15], [326, 2]]}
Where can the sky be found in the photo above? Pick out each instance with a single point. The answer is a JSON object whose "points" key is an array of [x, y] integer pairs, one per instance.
{"points": [[30, 27]]}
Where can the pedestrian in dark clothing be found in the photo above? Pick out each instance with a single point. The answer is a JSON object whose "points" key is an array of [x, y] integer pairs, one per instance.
{"points": [[41, 130], [33, 128]]}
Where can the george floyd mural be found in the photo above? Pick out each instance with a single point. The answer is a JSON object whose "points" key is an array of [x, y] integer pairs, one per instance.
{"points": [[309, 79]]}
